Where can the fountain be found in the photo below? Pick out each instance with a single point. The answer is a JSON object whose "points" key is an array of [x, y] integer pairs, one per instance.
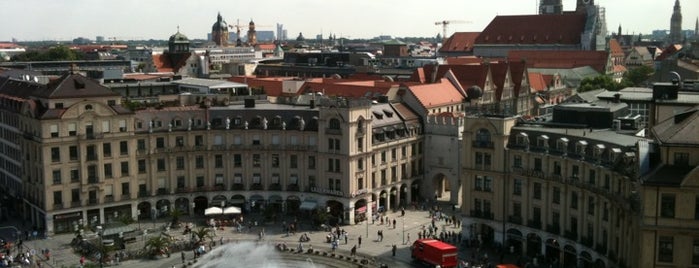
{"points": [[252, 254]]}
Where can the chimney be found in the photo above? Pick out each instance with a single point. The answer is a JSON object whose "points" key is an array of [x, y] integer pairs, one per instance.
{"points": [[617, 98], [312, 104]]}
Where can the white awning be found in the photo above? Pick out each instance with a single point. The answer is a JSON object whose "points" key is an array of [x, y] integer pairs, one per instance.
{"points": [[308, 205], [213, 211], [231, 210]]}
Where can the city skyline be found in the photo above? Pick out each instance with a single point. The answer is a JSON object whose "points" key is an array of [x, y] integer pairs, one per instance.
{"points": [[158, 19]]}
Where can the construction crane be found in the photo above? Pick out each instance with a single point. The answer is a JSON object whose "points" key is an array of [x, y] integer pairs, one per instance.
{"points": [[444, 24]]}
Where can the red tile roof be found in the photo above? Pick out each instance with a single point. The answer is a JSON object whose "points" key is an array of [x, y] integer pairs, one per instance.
{"points": [[534, 29], [348, 88], [463, 60], [668, 51], [436, 94], [460, 42], [537, 82], [615, 48], [272, 85], [266, 46], [561, 59], [9, 45], [517, 70]]}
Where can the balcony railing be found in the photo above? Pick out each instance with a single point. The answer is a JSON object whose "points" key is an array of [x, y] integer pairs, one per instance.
{"points": [[109, 198], [58, 206], [256, 187], [125, 196], [143, 194], [76, 204], [162, 191], [92, 201], [275, 187], [515, 219], [293, 187], [483, 144], [553, 228], [237, 187], [534, 224], [482, 214], [571, 235]]}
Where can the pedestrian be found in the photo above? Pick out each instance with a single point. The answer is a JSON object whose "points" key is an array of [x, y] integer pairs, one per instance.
{"points": [[345, 235], [394, 223], [353, 251], [408, 237], [393, 250], [183, 257], [82, 260], [359, 241]]}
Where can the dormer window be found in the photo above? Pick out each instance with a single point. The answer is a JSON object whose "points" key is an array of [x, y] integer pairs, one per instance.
{"points": [[599, 148], [88, 107], [378, 115], [614, 154], [334, 124], [523, 139], [542, 142], [580, 147], [562, 145], [388, 113]]}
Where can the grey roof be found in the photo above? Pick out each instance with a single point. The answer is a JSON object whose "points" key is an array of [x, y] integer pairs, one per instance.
{"points": [[595, 106], [683, 128], [667, 175], [210, 83], [646, 94], [600, 136], [384, 115], [572, 77]]}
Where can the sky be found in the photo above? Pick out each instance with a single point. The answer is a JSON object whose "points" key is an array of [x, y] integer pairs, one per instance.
{"points": [[37, 20]]}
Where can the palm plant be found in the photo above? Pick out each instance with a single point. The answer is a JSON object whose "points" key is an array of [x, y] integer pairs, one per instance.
{"points": [[175, 214], [157, 245], [203, 233]]}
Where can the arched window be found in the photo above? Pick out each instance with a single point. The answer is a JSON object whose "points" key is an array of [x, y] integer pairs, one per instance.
{"points": [[360, 125], [334, 123], [483, 139]]}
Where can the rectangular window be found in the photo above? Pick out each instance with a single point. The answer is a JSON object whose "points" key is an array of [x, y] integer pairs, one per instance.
{"points": [[517, 161], [57, 197], [575, 172], [383, 157], [237, 160], [393, 154], [198, 140], [338, 184], [72, 129], [293, 161], [73, 152], [574, 200], [75, 195], [218, 161], [681, 159], [311, 162], [122, 125], [107, 170], [199, 162], [180, 182], [55, 154], [141, 144], [179, 163], [275, 160], [556, 168], [592, 178], [256, 160], [160, 142], [311, 181], [517, 188], [667, 206], [556, 195], [141, 166], [331, 184], [695, 251], [124, 148], [74, 175], [92, 174], [218, 179], [160, 163], [537, 191], [124, 168], [537, 164], [179, 141], [107, 149], [105, 126], [696, 208], [200, 181], [360, 164], [591, 205], [57, 176], [665, 248]]}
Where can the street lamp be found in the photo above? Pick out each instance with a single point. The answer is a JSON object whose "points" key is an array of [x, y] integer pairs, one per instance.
{"points": [[138, 218], [403, 229]]}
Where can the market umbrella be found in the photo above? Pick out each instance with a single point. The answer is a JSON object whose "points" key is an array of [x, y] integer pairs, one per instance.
{"points": [[232, 210], [213, 211]]}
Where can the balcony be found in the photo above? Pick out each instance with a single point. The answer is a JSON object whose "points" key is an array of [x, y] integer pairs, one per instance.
{"points": [[92, 136], [92, 180], [91, 157], [536, 224], [109, 198], [293, 187], [256, 187], [482, 214], [275, 187], [125, 196], [586, 241], [76, 204], [238, 187], [553, 228], [58, 206], [515, 219], [92, 201], [162, 191], [483, 144], [180, 190], [143, 194], [571, 235], [333, 131]]}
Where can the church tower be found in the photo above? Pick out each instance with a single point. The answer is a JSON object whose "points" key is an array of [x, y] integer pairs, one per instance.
{"points": [[219, 32], [676, 24], [252, 34], [550, 7]]}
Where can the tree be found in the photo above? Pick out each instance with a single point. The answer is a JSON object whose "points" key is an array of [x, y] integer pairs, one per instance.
{"points": [[599, 82], [57, 53], [175, 214], [157, 245], [203, 233], [637, 76]]}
